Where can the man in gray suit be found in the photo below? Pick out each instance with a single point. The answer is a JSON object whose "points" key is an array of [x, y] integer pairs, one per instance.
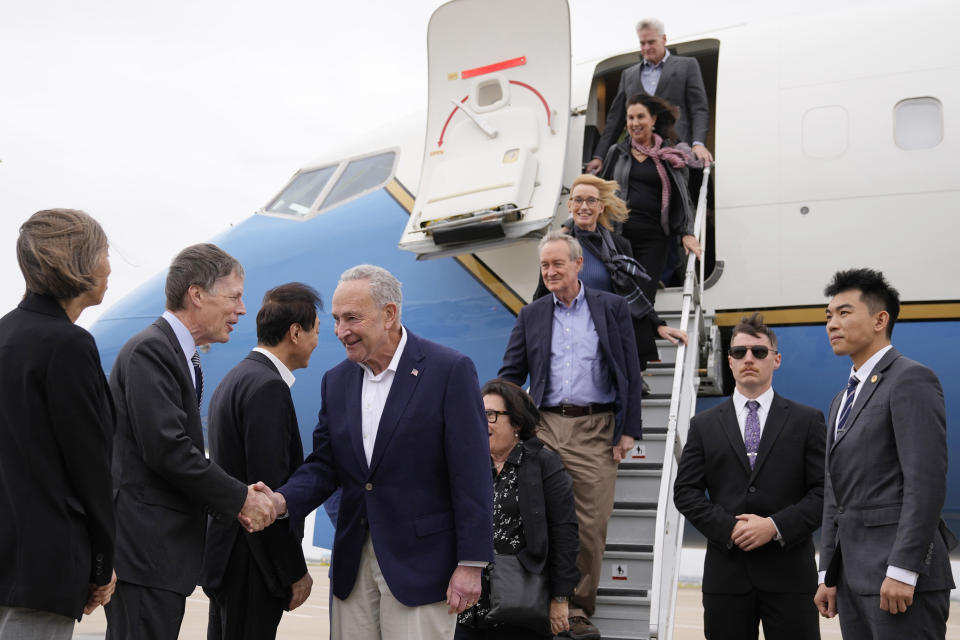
{"points": [[676, 79], [884, 556]]}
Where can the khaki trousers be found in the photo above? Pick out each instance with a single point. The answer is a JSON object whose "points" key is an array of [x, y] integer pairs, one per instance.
{"points": [[585, 445], [371, 612]]}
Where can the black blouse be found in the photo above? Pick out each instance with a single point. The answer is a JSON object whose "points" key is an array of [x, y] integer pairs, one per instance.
{"points": [[645, 192]]}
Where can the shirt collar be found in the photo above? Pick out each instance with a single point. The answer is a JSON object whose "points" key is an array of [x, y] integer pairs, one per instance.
{"points": [[285, 373], [184, 337], [576, 301], [864, 371], [394, 362], [765, 399], [659, 64]]}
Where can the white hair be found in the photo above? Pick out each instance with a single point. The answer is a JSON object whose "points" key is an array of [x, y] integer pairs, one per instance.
{"points": [[651, 23], [573, 244], [384, 286]]}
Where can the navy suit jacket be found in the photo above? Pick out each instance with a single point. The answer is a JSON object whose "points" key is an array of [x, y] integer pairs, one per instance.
{"points": [[528, 352], [425, 499]]}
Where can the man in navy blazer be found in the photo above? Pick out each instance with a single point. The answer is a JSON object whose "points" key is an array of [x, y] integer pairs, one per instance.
{"points": [[577, 345], [402, 431], [884, 556], [676, 79]]}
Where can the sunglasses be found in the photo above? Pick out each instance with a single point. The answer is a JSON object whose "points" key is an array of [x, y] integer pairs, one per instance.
{"points": [[759, 352]]}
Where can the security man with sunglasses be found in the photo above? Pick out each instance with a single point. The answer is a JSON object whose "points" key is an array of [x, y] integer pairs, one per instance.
{"points": [[751, 480]]}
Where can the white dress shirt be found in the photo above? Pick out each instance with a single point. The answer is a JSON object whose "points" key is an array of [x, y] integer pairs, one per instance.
{"points": [[863, 373], [740, 404], [373, 396], [185, 338], [285, 373]]}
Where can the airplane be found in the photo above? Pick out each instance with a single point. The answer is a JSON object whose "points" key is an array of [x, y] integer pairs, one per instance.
{"points": [[829, 156]]}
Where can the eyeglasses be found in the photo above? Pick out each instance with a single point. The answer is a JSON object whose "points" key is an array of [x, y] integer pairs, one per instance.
{"points": [[591, 201], [759, 352], [493, 415]]}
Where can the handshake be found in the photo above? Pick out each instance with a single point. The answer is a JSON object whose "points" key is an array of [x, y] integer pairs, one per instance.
{"points": [[261, 508]]}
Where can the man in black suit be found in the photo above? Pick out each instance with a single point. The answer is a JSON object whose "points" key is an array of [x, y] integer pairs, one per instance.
{"points": [[676, 79], [751, 480], [164, 485], [884, 558], [578, 348], [252, 577]]}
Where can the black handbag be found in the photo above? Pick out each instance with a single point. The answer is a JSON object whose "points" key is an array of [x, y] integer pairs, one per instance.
{"points": [[518, 597]]}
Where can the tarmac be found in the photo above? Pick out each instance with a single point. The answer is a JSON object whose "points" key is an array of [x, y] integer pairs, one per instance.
{"points": [[311, 620]]}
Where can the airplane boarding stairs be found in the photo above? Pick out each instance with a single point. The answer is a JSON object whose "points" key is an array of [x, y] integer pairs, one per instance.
{"points": [[638, 582]]}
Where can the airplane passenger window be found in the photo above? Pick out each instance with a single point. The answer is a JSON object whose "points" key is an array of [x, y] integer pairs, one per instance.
{"points": [[918, 123], [362, 174], [298, 196]]}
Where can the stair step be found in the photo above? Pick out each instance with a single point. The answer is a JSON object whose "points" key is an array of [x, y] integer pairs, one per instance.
{"points": [[659, 380], [668, 352], [654, 412], [646, 451], [622, 616], [639, 484], [626, 570], [631, 527]]}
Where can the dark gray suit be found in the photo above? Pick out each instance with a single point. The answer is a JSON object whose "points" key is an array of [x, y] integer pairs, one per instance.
{"points": [[884, 490], [164, 485], [680, 84]]}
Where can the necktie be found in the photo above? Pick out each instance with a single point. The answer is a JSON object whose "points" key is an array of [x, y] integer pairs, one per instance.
{"points": [[751, 431], [195, 359], [847, 404]]}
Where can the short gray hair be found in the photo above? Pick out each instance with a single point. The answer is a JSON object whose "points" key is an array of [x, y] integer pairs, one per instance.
{"points": [[384, 286], [651, 23], [201, 265], [561, 236]]}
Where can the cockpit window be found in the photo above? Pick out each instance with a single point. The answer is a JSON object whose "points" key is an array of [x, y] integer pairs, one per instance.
{"points": [[361, 175], [313, 191], [302, 192]]}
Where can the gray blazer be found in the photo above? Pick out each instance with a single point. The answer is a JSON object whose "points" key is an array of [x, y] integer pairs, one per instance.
{"points": [[680, 84], [886, 481]]}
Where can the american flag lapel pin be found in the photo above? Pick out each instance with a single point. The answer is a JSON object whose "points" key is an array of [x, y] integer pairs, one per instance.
{"points": [[414, 372]]}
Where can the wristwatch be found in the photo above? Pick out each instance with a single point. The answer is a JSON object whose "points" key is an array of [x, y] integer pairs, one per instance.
{"points": [[560, 598]]}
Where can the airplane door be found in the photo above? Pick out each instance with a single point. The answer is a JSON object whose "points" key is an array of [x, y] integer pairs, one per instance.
{"points": [[497, 119]]}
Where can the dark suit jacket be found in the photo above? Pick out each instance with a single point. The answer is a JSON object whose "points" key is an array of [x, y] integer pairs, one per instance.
{"points": [[715, 484], [528, 352], [887, 480], [425, 499], [163, 483], [56, 431], [680, 84], [549, 519], [254, 436]]}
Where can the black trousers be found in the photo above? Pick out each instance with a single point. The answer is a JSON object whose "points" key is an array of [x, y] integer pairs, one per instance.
{"points": [[649, 246], [243, 608], [785, 616], [136, 612]]}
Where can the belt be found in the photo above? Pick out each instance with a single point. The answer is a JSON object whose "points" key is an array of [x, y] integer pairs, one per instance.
{"points": [[576, 411]]}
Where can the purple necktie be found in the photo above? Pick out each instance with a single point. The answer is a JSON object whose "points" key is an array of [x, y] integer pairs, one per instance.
{"points": [[751, 431], [198, 373]]}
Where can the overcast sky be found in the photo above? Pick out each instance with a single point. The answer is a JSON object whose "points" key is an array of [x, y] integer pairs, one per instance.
{"points": [[169, 121]]}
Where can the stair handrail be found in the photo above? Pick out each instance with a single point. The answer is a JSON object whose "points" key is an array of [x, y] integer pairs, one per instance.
{"points": [[685, 377]]}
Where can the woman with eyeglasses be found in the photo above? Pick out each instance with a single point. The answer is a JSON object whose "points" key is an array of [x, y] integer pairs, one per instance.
{"points": [[595, 209], [653, 174], [533, 513]]}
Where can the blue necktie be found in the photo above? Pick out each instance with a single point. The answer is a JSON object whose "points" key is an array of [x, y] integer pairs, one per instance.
{"points": [[195, 359], [847, 405], [751, 431]]}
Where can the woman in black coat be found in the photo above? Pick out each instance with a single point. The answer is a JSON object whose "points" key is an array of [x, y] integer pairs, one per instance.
{"points": [[595, 209], [652, 175], [56, 434], [533, 513]]}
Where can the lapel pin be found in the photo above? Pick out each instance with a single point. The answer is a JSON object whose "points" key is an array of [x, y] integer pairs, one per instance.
{"points": [[416, 372], [874, 378]]}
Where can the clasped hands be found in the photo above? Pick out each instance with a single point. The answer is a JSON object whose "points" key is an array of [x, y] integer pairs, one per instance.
{"points": [[752, 531], [261, 508]]}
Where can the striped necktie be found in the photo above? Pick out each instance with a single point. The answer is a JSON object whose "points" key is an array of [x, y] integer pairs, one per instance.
{"points": [[198, 373], [847, 405]]}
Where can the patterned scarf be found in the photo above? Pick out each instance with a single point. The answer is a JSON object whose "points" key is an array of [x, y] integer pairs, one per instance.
{"points": [[658, 153]]}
